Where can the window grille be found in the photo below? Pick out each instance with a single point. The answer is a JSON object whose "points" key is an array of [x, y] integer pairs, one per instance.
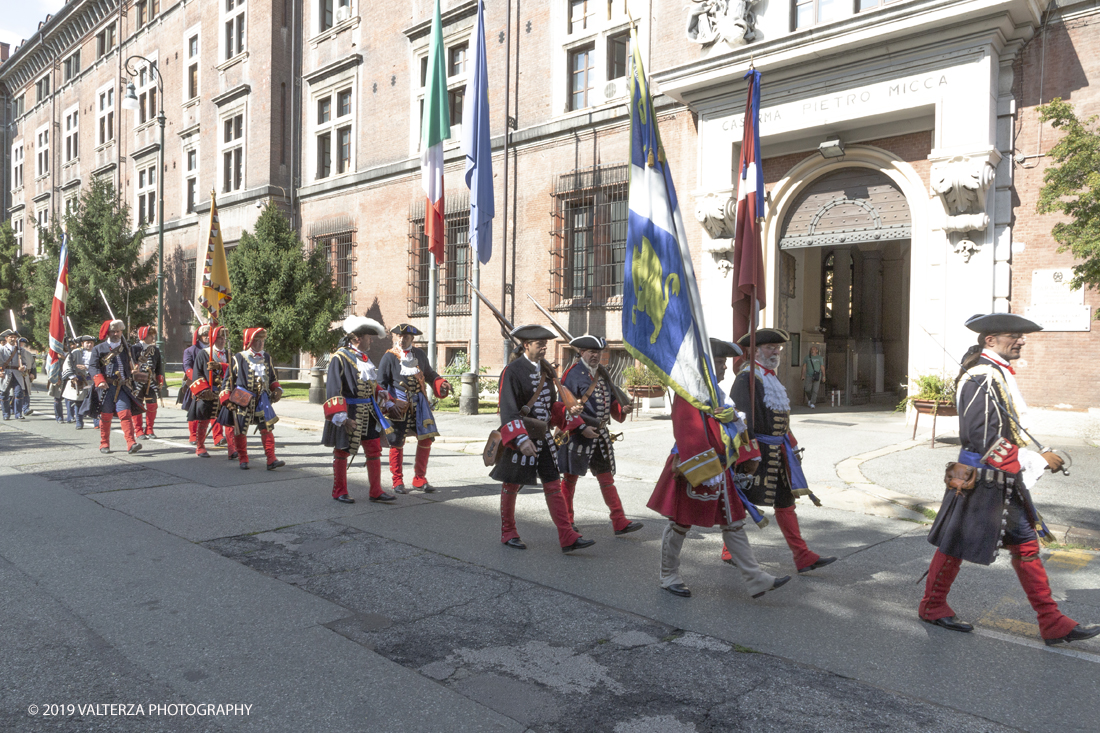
{"points": [[454, 291], [591, 208], [337, 239]]}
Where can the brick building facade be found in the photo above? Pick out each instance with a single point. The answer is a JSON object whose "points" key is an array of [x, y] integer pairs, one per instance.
{"points": [[877, 247]]}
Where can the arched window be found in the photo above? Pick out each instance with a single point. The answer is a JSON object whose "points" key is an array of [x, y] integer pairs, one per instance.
{"points": [[828, 284]]}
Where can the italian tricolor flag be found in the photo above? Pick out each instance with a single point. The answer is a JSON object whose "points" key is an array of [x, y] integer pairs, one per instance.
{"points": [[436, 129]]}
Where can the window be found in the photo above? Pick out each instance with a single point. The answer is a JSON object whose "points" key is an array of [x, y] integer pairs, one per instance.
{"points": [[42, 151], [193, 67], [457, 60], [106, 115], [862, 5], [17, 229], [71, 66], [19, 107], [43, 221], [581, 13], [17, 166], [187, 291], [105, 41], [343, 149], [339, 249], [324, 155], [42, 88], [234, 27], [147, 95], [72, 139], [580, 76], [618, 55], [454, 295], [333, 133], [327, 17], [811, 12], [233, 153], [146, 195], [192, 180], [590, 216], [71, 204], [142, 8]]}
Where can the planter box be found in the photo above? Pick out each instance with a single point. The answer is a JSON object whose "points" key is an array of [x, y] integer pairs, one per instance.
{"points": [[647, 391], [935, 409]]}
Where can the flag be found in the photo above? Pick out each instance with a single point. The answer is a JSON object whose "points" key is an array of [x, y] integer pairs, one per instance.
{"points": [[748, 256], [476, 145], [56, 353], [436, 128], [662, 312], [215, 273]]}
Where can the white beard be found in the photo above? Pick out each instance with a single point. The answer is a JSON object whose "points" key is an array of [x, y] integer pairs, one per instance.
{"points": [[771, 362]]}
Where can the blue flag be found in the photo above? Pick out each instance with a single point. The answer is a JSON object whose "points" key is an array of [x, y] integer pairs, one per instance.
{"points": [[476, 145], [662, 311]]}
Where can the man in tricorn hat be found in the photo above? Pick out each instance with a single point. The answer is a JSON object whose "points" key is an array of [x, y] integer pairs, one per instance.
{"points": [[696, 487], [354, 410], [405, 373], [779, 477], [582, 452], [529, 406], [991, 505], [111, 370], [17, 364]]}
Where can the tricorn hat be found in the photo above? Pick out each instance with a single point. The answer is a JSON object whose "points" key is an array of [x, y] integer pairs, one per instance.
{"points": [[85, 337], [765, 336], [1001, 323], [588, 341], [532, 332], [360, 325], [724, 349], [406, 329], [7, 332]]}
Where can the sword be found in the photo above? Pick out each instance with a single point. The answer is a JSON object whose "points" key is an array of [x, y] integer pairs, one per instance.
{"points": [[1067, 461]]}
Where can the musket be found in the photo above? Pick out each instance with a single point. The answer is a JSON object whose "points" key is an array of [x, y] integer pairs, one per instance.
{"points": [[125, 345], [71, 329], [506, 329], [197, 316], [1067, 460], [620, 396]]}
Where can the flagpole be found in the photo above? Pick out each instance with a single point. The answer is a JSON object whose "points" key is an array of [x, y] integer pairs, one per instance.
{"points": [[433, 289]]}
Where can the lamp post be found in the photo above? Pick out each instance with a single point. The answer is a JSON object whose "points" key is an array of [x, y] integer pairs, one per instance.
{"points": [[130, 102]]}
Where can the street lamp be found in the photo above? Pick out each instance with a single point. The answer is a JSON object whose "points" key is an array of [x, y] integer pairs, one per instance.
{"points": [[130, 102]]}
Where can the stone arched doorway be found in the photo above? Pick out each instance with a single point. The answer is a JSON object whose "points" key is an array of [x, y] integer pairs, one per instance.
{"points": [[844, 255]]}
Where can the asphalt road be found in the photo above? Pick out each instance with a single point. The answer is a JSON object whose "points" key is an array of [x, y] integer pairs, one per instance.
{"points": [[162, 579]]}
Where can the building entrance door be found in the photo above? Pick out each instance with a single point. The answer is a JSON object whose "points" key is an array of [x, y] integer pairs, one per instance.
{"points": [[848, 234]]}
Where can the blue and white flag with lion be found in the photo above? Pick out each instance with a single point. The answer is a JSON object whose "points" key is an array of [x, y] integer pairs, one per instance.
{"points": [[662, 312]]}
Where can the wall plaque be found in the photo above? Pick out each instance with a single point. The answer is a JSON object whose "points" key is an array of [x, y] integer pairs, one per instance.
{"points": [[1054, 305]]}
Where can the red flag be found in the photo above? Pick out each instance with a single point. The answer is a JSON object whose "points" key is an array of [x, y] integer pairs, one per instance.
{"points": [[748, 256], [56, 353]]}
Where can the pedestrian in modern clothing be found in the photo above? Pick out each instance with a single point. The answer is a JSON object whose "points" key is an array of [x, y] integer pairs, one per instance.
{"points": [[813, 374]]}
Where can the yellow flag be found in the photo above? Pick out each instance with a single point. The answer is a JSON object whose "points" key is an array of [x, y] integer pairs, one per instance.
{"points": [[215, 273]]}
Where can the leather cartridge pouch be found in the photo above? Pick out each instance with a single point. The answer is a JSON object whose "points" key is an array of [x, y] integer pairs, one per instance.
{"points": [[960, 477], [141, 377], [493, 450]]}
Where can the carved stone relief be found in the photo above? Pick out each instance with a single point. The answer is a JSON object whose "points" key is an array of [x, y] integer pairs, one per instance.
{"points": [[961, 184], [728, 21], [717, 213]]}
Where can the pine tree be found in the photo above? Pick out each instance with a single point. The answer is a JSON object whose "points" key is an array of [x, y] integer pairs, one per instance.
{"points": [[13, 293], [104, 253], [278, 286], [1072, 187]]}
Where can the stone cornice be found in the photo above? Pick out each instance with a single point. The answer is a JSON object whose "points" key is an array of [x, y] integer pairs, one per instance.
{"points": [[334, 68], [455, 14], [228, 96]]}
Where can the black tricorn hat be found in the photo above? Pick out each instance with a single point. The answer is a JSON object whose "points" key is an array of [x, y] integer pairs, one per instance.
{"points": [[84, 338], [532, 332], [724, 349], [765, 336], [588, 341], [406, 329], [1001, 323]]}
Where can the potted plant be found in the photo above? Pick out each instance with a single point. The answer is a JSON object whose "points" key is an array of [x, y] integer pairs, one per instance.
{"points": [[641, 382], [935, 396]]}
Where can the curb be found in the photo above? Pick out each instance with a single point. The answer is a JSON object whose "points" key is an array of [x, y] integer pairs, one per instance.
{"points": [[849, 472]]}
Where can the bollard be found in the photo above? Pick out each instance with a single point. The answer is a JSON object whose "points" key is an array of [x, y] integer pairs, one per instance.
{"points": [[317, 386], [468, 397]]}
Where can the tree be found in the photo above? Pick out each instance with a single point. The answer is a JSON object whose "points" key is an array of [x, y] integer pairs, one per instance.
{"points": [[13, 293], [104, 254], [276, 285], [1072, 187]]}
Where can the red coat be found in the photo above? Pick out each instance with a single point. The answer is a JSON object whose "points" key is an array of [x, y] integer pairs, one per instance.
{"points": [[681, 494]]}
